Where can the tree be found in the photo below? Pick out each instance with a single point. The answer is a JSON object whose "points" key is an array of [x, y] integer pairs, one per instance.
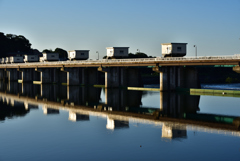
{"points": [[11, 43], [48, 51], [63, 54]]}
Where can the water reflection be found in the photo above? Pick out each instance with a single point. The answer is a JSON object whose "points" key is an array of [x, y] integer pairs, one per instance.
{"points": [[80, 102], [116, 124], [174, 131], [48, 111], [73, 116], [10, 109]]}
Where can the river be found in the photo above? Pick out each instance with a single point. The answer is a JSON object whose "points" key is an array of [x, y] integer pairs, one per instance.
{"points": [[53, 122]]}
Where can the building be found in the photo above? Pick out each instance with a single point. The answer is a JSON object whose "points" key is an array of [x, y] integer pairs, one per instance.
{"points": [[16, 59], [174, 49], [31, 58], [78, 54], [117, 52], [49, 57]]}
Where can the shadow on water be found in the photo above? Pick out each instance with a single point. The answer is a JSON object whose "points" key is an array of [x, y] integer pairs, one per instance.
{"points": [[17, 99]]}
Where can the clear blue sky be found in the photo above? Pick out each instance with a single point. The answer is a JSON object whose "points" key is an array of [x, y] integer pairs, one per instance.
{"points": [[212, 25]]}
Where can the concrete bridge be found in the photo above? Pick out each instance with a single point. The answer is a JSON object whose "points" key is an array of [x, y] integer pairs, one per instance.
{"points": [[174, 72]]}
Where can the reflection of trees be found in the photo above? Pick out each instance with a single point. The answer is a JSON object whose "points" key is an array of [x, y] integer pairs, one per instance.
{"points": [[12, 112]]}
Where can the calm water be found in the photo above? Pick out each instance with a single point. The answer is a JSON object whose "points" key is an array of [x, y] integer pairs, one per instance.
{"points": [[53, 122]]}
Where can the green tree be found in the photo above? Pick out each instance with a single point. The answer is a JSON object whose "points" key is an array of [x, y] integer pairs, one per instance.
{"points": [[62, 53]]}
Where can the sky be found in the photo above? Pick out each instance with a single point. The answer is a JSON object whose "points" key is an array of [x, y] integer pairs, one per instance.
{"points": [[212, 25]]}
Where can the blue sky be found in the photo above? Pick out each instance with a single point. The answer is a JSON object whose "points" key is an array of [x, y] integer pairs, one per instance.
{"points": [[212, 25]]}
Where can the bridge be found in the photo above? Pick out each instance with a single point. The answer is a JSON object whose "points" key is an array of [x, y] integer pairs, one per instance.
{"points": [[174, 71], [160, 61]]}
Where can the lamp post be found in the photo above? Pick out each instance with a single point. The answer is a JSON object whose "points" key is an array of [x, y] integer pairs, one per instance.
{"points": [[138, 50], [98, 54], [195, 50]]}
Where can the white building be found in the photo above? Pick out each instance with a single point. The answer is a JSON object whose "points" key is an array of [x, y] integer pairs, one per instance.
{"points": [[15, 59], [78, 54], [117, 52], [3, 60], [174, 49], [31, 58], [49, 57]]}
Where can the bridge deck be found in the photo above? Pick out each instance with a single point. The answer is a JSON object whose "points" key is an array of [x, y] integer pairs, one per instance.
{"points": [[174, 61]]}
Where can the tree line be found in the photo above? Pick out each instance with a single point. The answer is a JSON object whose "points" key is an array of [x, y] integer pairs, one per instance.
{"points": [[11, 44]]}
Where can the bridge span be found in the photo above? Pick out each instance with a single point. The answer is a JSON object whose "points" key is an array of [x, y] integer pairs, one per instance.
{"points": [[174, 71], [160, 61]]}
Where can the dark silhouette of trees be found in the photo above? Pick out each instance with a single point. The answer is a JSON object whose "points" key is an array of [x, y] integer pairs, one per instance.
{"points": [[136, 55], [11, 43], [63, 54]]}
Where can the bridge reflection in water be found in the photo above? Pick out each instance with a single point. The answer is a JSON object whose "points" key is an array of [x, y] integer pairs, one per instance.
{"points": [[175, 112]]}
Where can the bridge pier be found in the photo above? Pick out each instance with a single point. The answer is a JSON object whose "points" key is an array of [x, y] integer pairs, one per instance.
{"points": [[89, 76], [2, 74], [173, 77], [28, 75], [13, 87], [72, 76], [12, 74], [47, 75], [121, 77]]}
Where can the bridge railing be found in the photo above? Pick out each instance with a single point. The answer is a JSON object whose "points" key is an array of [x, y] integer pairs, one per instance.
{"points": [[140, 60]]}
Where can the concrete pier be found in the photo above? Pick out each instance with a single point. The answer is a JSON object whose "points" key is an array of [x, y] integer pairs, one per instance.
{"points": [[47, 75], [89, 76], [12, 74], [28, 75], [72, 76], [121, 77], [173, 77], [2, 74], [13, 87]]}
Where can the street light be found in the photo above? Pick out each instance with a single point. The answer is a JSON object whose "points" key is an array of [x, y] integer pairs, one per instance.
{"points": [[98, 54], [195, 50], [138, 50]]}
